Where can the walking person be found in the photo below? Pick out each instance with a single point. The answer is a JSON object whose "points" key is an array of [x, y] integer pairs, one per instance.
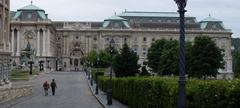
{"points": [[53, 86], [46, 87]]}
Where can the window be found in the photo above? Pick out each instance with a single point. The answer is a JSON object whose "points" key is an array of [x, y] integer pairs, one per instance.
{"points": [[135, 39], [95, 38], [144, 49], [144, 39], [135, 49], [125, 39], [153, 39], [159, 20], [116, 25], [29, 16], [107, 39]]}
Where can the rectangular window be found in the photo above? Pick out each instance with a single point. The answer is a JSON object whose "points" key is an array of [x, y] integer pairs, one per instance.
{"points": [[144, 39]]}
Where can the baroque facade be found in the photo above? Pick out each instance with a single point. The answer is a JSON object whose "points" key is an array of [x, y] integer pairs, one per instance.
{"points": [[4, 41], [62, 44]]}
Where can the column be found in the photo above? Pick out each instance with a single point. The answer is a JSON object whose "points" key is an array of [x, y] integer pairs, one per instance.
{"points": [[48, 42], [67, 45], [13, 46], [44, 43], [38, 42], [18, 43]]}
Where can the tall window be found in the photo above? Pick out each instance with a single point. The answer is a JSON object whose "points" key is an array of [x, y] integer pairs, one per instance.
{"points": [[144, 39]]}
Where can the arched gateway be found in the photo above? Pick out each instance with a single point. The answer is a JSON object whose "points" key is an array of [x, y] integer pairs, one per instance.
{"points": [[76, 55]]}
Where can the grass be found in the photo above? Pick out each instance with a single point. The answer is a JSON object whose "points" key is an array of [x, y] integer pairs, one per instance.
{"points": [[20, 74]]}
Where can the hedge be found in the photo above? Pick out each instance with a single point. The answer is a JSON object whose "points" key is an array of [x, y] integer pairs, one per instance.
{"points": [[99, 71], [158, 92]]}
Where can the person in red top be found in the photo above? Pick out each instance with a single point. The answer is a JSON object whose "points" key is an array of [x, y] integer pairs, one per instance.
{"points": [[46, 87]]}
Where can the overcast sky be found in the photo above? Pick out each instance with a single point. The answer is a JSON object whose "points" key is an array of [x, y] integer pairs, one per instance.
{"points": [[98, 10]]}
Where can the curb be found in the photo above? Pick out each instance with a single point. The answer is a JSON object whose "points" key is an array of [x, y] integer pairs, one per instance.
{"points": [[102, 104]]}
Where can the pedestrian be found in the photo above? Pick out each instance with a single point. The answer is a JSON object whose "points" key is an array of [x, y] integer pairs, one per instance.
{"points": [[53, 86], [46, 87]]}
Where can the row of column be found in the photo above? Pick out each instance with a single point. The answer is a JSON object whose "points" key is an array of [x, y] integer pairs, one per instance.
{"points": [[45, 43]]}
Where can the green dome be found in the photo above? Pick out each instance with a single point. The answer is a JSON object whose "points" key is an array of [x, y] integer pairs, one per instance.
{"points": [[210, 19], [115, 18], [30, 7]]}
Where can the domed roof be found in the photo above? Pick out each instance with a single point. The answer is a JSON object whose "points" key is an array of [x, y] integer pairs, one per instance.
{"points": [[115, 18], [210, 19], [30, 7]]}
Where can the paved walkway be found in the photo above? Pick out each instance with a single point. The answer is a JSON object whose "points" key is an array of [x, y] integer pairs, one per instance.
{"points": [[102, 97], [72, 92]]}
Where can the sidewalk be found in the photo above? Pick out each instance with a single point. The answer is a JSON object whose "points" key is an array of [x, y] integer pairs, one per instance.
{"points": [[20, 83], [102, 97]]}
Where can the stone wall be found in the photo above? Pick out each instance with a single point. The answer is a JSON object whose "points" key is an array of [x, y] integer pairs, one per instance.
{"points": [[7, 94]]}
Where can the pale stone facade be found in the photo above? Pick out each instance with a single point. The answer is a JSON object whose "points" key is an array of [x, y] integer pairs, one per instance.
{"points": [[5, 41], [62, 44]]}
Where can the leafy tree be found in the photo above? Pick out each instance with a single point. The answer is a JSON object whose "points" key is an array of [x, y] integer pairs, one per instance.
{"points": [[104, 58], [154, 54], [236, 43], [163, 56], [168, 63], [144, 72], [126, 62], [188, 48], [91, 58], [206, 58], [236, 63]]}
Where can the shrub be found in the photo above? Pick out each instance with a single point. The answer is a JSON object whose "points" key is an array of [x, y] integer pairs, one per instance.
{"points": [[159, 92]]}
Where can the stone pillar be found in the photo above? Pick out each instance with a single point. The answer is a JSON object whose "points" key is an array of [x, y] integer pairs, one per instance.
{"points": [[13, 46], [48, 43], [44, 43], [18, 43], [38, 42]]}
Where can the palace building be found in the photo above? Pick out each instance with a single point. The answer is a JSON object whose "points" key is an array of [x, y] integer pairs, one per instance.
{"points": [[4, 41], [62, 44]]}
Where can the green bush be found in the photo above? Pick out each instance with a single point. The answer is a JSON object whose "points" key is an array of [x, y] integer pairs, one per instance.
{"points": [[18, 74], [99, 71], [161, 92]]}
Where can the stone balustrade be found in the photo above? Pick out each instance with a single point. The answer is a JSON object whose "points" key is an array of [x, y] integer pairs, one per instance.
{"points": [[10, 93]]}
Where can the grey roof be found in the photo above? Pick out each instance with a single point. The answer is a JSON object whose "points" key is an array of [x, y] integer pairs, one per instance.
{"points": [[116, 18], [210, 19], [30, 7], [149, 14]]}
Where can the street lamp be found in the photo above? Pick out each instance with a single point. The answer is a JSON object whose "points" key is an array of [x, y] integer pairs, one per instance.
{"points": [[182, 80], [91, 80], [96, 91], [31, 64], [109, 91], [88, 69]]}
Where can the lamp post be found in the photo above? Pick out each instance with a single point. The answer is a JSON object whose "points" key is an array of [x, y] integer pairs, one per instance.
{"points": [[182, 80], [91, 80], [88, 70], [109, 91], [96, 91], [30, 63]]}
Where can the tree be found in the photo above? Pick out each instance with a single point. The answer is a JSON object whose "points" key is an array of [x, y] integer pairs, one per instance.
{"points": [[236, 63], [104, 58], [163, 56], [126, 62], [91, 58], [206, 58], [154, 54], [168, 63], [144, 72]]}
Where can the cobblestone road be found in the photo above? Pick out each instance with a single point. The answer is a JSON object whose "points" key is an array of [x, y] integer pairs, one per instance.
{"points": [[72, 92]]}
